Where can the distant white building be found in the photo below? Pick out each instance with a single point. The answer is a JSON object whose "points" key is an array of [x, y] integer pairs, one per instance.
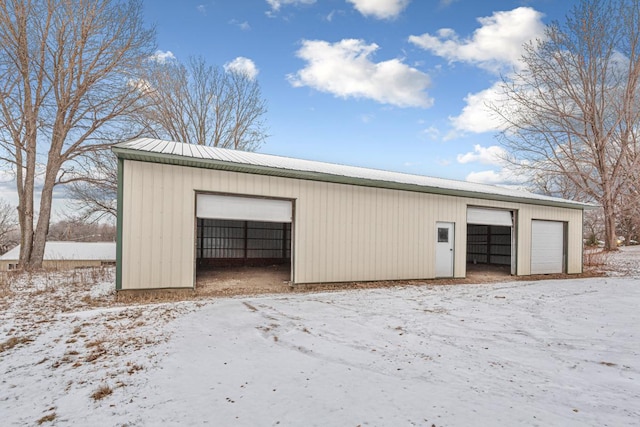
{"points": [[67, 255]]}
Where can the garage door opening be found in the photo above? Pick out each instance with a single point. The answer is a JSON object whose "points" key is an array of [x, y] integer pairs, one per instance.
{"points": [[243, 244], [490, 242]]}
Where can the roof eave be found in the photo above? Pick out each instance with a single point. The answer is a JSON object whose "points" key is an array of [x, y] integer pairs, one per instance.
{"points": [[173, 159]]}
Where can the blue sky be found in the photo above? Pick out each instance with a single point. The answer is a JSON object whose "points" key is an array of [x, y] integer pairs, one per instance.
{"points": [[390, 84]]}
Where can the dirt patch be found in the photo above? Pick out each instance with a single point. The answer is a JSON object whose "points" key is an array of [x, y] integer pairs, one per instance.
{"points": [[240, 281]]}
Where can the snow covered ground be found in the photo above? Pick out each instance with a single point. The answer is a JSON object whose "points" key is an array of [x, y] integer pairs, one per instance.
{"points": [[556, 352]]}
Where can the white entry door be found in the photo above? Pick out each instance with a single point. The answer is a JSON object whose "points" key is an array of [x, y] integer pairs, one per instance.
{"points": [[444, 249]]}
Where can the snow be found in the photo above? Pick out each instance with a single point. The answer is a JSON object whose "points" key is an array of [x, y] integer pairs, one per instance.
{"points": [[554, 352]]}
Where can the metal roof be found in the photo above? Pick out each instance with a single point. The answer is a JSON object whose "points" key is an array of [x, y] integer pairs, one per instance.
{"points": [[71, 251], [177, 153]]}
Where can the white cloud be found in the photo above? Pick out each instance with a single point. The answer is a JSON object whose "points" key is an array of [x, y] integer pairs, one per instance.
{"points": [[162, 57], [345, 69], [476, 116], [244, 25], [141, 85], [492, 155], [202, 9], [277, 4], [501, 177], [334, 14], [432, 132], [366, 118], [380, 9], [506, 173], [242, 65], [495, 45]]}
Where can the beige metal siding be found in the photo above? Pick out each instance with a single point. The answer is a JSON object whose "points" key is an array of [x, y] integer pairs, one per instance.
{"points": [[341, 232]]}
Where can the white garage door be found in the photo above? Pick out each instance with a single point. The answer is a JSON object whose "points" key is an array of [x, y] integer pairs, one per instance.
{"points": [[216, 206], [547, 247], [488, 216]]}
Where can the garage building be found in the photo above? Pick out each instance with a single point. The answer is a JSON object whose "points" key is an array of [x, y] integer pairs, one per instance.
{"points": [[184, 207]]}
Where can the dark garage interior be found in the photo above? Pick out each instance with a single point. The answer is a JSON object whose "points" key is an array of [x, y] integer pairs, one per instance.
{"points": [[248, 250], [489, 248]]}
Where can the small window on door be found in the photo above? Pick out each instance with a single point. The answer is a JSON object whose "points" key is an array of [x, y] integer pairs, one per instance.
{"points": [[443, 235]]}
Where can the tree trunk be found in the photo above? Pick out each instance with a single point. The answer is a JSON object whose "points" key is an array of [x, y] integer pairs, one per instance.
{"points": [[42, 228], [610, 237], [26, 183]]}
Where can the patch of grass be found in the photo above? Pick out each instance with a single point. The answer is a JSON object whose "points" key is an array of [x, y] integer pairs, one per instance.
{"points": [[97, 352], [12, 342], [47, 418], [133, 368], [102, 392], [95, 343], [5, 285]]}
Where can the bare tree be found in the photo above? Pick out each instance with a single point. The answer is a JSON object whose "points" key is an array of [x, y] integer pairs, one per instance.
{"points": [[629, 212], [573, 110], [197, 104], [66, 68], [8, 225], [95, 194], [202, 104]]}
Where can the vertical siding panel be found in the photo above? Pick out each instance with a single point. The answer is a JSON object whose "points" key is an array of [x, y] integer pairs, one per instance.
{"points": [[377, 236], [411, 226], [422, 213], [326, 241], [337, 252], [308, 231], [132, 233], [314, 219], [294, 193], [348, 238], [145, 228], [156, 228], [167, 229], [364, 215], [430, 222], [127, 232], [303, 233], [183, 206]]}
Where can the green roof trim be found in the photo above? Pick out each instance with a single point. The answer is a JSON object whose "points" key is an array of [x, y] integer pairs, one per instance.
{"points": [[119, 224]]}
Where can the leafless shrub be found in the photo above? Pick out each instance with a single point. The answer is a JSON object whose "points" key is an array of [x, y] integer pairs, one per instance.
{"points": [[12, 342], [595, 257], [102, 392]]}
